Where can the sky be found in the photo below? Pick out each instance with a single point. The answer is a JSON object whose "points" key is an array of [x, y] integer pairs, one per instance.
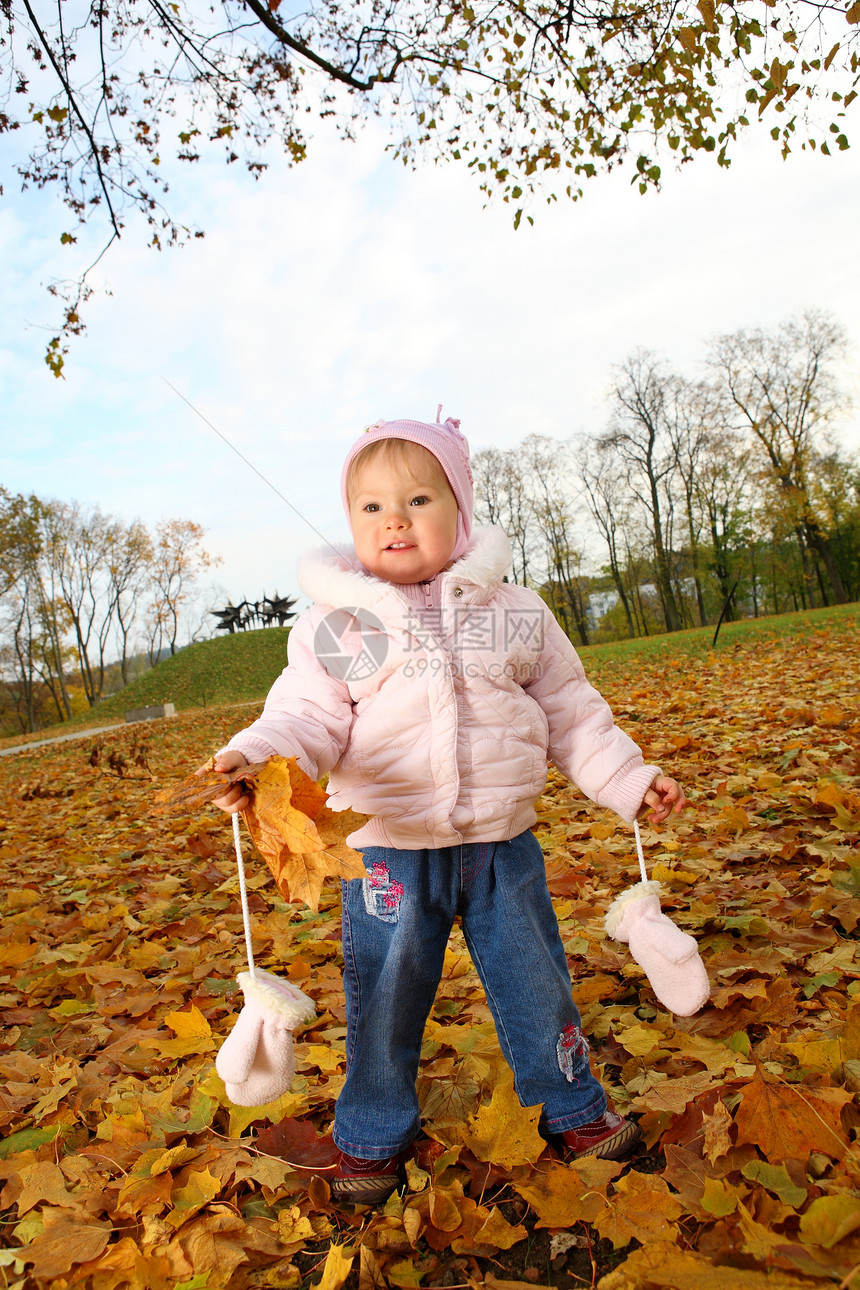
{"points": [[352, 288]]}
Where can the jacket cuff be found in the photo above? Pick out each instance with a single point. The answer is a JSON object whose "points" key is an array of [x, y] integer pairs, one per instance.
{"points": [[625, 791], [251, 748]]}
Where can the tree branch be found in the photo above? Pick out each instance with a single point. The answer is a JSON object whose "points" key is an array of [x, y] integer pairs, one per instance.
{"points": [[73, 103], [268, 19]]}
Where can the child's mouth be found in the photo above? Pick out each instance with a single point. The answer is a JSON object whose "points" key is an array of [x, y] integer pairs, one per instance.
{"points": [[400, 546]]}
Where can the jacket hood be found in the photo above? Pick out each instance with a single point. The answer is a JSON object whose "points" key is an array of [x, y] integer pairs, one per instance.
{"points": [[335, 576]]}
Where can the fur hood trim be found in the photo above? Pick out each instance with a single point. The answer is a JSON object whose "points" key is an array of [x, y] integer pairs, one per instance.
{"points": [[334, 576]]}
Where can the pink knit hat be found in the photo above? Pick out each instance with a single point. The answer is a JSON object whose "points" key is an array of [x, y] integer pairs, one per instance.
{"points": [[448, 446]]}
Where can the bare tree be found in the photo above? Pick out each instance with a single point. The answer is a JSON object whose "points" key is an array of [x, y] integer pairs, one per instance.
{"points": [[694, 413], [178, 560], [76, 548], [783, 386], [130, 558], [836, 496], [638, 433], [36, 620], [722, 489], [606, 494], [550, 482], [502, 497]]}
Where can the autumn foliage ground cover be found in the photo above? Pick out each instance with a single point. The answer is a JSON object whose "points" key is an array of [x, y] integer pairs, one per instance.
{"points": [[123, 1164]]}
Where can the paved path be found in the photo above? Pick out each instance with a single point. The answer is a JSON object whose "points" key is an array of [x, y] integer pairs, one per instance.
{"points": [[60, 739]]}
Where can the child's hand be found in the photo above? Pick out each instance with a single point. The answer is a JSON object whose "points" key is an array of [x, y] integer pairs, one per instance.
{"points": [[236, 797], [664, 796]]}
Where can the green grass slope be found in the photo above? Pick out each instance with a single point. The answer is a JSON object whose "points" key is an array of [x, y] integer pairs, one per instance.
{"points": [[697, 642], [229, 669]]}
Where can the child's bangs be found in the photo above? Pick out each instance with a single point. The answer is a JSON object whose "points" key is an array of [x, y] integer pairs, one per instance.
{"points": [[403, 454]]}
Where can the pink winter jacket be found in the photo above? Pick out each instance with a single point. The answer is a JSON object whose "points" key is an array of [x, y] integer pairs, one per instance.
{"points": [[440, 726]]}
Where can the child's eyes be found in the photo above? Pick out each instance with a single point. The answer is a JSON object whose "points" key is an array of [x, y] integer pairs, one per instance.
{"points": [[372, 507]]}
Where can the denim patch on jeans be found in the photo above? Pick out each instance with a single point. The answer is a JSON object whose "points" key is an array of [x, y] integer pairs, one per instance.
{"points": [[396, 924]]}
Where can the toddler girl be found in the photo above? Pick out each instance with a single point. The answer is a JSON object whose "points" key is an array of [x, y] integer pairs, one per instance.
{"points": [[435, 693]]}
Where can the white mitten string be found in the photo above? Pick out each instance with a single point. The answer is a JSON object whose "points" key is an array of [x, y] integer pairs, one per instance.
{"points": [[669, 956], [243, 892], [256, 1059], [642, 870]]}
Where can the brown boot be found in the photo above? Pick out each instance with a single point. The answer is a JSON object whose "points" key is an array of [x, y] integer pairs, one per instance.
{"points": [[609, 1138], [357, 1181]]}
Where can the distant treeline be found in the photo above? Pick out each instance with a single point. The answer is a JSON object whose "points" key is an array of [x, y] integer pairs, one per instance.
{"points": [[724, 493], [82, 594]]}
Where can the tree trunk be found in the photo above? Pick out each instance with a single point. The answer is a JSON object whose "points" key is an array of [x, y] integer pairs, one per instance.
{"points": [[821, 545]]}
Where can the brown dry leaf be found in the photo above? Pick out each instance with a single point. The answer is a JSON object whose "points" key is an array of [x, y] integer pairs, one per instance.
{"points": [[788, 1122], [120, 941], [139, 1196], [276, 825], [445, 1208], [675, 1094], [492, 1282], [370, 1276], [720, 1198], [125, 1267], [336, 1269], [662, 1266], [201, 1188], [759, 1240], [829, 1219], [829, 1054], [214, 1242], [716, 1128], [566, 1194], [204, 786], [493, 1229], [65, 1242], [43, 1181], [642, 1209]]}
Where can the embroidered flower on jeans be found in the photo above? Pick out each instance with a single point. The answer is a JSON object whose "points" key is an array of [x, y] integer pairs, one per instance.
{"points": [[571, 1048], [382, 893], [392, 896]]}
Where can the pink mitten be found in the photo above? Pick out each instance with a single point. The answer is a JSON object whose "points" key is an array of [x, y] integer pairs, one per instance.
{"points": [[669, 956], [256, 1059]]}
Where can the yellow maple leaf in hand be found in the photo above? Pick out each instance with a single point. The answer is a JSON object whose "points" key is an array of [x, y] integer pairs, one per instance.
{"points": [[300, 839]]}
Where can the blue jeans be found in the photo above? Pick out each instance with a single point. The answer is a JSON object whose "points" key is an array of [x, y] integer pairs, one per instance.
{"points": [[396, 924]]}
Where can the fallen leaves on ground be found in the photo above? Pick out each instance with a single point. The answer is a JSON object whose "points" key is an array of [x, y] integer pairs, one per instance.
{"points": [[123, 1163]]}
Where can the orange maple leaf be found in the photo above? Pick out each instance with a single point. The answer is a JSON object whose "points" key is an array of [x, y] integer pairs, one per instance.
{"points": [[300, 839], [788, 1122]]}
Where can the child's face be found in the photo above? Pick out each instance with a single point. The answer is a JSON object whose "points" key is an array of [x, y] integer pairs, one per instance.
{"points": [[404, 515]]}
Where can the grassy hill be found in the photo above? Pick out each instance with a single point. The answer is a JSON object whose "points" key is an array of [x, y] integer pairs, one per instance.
{"points": [[228, 669]]}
